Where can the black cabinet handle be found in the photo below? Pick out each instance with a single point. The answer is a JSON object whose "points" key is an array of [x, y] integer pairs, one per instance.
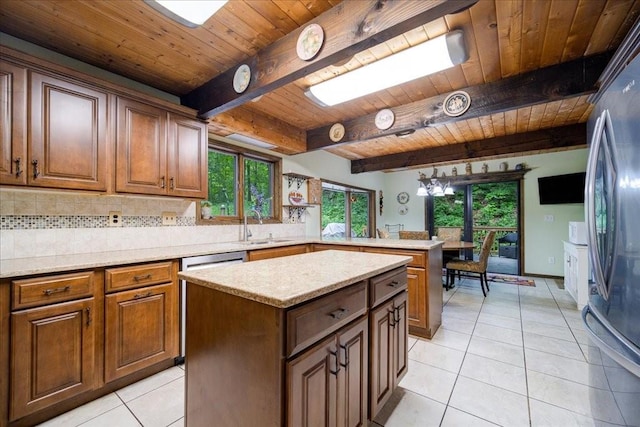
{"points": [[18, 162], [393, 284], [36, 172], [142, 277], [334, 353], [339, 313], [162, 184], [56, 290], [345, 365], [393, 318], [88, 310], [144, 295]]}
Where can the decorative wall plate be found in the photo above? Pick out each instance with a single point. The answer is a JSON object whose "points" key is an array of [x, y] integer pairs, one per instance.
{"points": [[336, 133], [241, 78], [403, 197], [384, 119], [456, 103], [403, 209], [309, 42]]}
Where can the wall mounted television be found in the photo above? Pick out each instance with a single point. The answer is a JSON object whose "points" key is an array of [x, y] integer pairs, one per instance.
{"points": [[560, 189]]}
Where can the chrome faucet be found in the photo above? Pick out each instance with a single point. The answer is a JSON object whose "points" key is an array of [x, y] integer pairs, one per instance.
{"points": [[247, 232]]}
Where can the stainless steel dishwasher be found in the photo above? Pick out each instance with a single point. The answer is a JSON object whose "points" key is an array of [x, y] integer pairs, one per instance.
{"points": [[198, 263]]}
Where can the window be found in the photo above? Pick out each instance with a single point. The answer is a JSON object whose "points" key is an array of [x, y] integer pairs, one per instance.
{"points": [[347, 211], [241, 181]]}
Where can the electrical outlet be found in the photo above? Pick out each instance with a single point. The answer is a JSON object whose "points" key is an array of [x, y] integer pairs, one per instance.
{"points": [[548, 218], [552, 260], [169, 218], [115, 219]]}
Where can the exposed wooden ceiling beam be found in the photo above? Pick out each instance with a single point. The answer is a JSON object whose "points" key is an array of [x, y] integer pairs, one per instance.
{"points": [[288, 139], [350, 27], [548, 84], [545, 139]]}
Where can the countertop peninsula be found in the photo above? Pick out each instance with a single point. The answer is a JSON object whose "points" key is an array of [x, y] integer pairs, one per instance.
{"points": [[51, 264], [287, 281]]}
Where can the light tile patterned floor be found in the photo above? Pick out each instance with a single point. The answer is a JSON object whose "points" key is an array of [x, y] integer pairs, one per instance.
{"points": [[516, 358]]}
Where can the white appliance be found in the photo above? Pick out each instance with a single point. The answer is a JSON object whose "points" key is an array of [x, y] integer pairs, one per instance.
{"points": [[198, 263], [577, 233]]}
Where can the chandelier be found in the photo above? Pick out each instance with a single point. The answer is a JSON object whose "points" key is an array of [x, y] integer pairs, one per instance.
{"points": [[433, 187]]}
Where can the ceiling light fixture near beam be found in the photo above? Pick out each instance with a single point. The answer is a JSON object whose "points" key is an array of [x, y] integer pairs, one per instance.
{"points": [[191, 13], [417, 61]]}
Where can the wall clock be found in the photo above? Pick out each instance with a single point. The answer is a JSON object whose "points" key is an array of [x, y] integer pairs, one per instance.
{"points": [[403, 209], [403, 197]]}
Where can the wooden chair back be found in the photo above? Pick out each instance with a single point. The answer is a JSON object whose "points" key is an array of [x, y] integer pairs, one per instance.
{"points": [[413, 235], [449, 234]]}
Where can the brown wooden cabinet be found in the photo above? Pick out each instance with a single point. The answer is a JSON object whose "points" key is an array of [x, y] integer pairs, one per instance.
{"points": [[66, 145], [327, 384], [267, 253], [54, 348], [141, 324], [13, 119], [158, 152], [388, 337]]}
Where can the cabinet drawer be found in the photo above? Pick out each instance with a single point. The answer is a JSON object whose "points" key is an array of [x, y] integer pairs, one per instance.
{"points": [[419, 258], [117, 279], [314, 320], [387, 284], [50, 289]]}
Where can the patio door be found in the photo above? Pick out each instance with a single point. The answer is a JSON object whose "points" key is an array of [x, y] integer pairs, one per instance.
{"points": [[478, 208]]}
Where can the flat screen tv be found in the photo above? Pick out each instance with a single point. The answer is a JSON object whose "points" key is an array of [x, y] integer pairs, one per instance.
{"points": [[559, 189]]}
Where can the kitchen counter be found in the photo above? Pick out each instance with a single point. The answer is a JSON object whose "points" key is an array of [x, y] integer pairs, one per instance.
{"points": [[287, 281], [51, 264]]}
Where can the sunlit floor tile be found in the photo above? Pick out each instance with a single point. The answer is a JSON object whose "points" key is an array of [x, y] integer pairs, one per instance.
{"points": [[502, 321], [502, 352], [566, 368], [439, 356], [162, 406], [493, 372], [588, 401], [451, 339], [119, 416], [490, 403], [150, 383], [546, 415], [554, 346], [428, 381], [86, 412], [497, 333], [408, 409], [456, 418]]}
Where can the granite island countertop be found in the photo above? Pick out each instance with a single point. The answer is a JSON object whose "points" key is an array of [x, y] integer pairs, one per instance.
{"points": [[52, 264], [287, 281]]}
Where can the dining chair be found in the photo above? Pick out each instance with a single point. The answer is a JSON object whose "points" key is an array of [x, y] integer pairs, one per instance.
{"points": [[413, 235], [449, 234], [472, 267], [393, 229]]}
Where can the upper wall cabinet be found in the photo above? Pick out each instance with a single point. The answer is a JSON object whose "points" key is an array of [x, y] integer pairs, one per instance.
{"points": [[68, 135], [13, 123], [159, 153]]}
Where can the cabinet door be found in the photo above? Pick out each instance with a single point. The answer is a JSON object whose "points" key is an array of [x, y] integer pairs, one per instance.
{"points": [[276, 252], [353, 377], [141, 148], [418, 302], [68, 138], [381, 356], [312, 386], [13, 124], [141, 329], [187, 158], [53, 355], [400, 338]]}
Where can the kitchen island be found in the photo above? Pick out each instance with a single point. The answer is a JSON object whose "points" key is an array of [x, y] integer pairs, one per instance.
{"points": [[320, 336]]}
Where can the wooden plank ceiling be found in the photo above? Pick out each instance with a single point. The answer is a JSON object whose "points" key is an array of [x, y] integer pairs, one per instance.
{"points": [[510, 43]]}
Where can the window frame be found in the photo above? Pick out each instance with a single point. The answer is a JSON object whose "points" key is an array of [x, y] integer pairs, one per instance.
{"points": [[241, 154], [348, 189]]}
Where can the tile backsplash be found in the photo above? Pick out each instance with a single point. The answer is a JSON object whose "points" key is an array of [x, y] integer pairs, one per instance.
{"points": [[43, 223]]}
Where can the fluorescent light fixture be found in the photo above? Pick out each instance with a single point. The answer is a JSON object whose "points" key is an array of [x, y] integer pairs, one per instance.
{"points": [[426, 58], [191, 13], [249, 140]]}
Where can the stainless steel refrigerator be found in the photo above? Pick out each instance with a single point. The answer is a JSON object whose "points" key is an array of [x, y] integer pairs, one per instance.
{"points": [[612, 208]]}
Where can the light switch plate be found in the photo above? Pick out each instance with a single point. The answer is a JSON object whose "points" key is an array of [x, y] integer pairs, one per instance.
{"points": [[115, 219], [169, 218]]}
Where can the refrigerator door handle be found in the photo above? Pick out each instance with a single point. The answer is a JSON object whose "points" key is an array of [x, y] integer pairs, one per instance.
{"points": [[627, 362], [591, 208]]}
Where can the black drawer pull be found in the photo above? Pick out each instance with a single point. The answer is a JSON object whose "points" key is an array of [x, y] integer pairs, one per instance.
{"points": [[394, 284], [146, 294], [339, 313], [335, 354], [56, 290], [142, 277]]}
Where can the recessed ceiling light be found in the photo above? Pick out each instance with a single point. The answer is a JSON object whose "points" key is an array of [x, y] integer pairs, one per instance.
{"points": [[191, 13]]}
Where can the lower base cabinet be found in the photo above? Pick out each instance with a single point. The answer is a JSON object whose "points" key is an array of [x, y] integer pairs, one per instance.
{"points": [[53, 359], [327, 384]]}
